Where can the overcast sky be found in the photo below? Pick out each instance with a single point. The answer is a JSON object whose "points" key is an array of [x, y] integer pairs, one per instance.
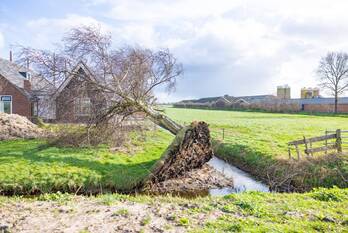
{"points": [[226, 47]]}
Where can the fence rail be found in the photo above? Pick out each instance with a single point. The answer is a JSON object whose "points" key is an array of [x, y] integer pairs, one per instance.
{"points": [[314, 139], [332, 140], [308, 143]]}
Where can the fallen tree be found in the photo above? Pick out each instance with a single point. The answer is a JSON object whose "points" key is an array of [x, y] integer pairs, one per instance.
{"points": [[124, 79]]}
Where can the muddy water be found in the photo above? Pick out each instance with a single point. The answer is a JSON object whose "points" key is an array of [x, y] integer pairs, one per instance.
{"points": [[242, 180]]}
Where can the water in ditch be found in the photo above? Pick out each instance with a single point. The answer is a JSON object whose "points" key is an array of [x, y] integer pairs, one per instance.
{"points": [[242, 180]]}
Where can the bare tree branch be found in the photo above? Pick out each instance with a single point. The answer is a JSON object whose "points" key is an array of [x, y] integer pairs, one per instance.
{"points": [[125, 78], [333, 74]]}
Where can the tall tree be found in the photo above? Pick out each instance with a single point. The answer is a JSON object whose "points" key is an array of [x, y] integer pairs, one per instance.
{"points": [[333, 74], [127, 77]]}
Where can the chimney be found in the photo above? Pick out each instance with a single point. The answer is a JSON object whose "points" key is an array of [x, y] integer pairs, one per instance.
{"points": [[10, 55], [27, 85]]}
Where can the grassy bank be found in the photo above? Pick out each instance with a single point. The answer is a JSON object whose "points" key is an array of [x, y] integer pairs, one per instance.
{"points": [[323, 210], [34, 166], [257, 142]]}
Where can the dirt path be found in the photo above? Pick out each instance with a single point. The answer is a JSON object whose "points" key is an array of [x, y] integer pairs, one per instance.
{"points": [[83, 214]]}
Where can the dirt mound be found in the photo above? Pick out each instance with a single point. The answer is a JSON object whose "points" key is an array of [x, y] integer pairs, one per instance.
{"points": [[13, 126], [197, 181]]}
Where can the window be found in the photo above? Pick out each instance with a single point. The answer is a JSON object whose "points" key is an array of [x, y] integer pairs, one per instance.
{"points": [[83, 106], [6, 104], [25, 74]]}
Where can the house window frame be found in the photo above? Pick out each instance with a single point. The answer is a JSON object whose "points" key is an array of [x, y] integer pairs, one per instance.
{"points": [[78, 104], [11, 102]]}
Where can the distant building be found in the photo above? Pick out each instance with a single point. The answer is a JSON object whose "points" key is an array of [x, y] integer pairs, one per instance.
{"points": [[310, 101], [283, 92], [309, 93]]}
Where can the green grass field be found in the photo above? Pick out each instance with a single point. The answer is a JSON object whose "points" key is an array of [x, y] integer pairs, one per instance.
{"points": [[261, 132], [255, 141], [33, 166]]}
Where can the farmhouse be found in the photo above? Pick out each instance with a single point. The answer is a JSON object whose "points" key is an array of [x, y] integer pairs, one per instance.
{"points": [[22, 91], [26, 93], [76, 100]]}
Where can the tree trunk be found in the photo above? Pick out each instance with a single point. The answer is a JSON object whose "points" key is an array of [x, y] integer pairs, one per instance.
{"points": [[155, 116], [336, 103], [190, 149], [163, 121]]}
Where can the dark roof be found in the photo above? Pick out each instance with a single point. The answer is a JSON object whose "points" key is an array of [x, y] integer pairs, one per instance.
{"points": [[80, 66], [12, 72], [202, 100], [256, 97], [342, 100], [231, 99]]}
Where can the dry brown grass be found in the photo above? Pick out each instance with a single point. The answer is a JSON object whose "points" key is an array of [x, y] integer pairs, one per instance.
{"points": [[13, 126]]}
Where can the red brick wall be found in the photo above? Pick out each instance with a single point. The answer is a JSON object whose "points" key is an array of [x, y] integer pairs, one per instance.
{"points": [[21, 105], [65, 102], [27, 85], [325, 108]]}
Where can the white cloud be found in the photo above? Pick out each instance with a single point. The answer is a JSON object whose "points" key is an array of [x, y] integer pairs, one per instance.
{"points": [[161, 11], [228, 47], [46, 31], [164, 97]]}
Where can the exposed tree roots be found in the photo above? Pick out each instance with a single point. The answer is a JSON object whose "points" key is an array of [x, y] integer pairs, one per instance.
{"points": [[190, 149]]}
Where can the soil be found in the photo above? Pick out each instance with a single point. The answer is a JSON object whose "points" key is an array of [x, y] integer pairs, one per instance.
{"points": [[197, 181], [13, 126], [83, 214]]}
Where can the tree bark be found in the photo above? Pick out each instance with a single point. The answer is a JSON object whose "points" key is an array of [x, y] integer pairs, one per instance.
{"points": [[336, 102], [156, 117], [190, 149], [163, 121]]}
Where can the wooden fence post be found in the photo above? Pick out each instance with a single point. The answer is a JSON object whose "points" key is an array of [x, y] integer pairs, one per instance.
{"points": [[298, 152], [326, 142], [339, 140], [223, 134], [306, 145]]}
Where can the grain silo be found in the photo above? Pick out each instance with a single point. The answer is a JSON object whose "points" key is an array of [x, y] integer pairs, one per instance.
{"points": [[284, 92], [309, 93]]}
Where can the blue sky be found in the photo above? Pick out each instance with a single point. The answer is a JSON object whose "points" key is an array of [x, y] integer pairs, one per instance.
{"points": [[227, 47]]}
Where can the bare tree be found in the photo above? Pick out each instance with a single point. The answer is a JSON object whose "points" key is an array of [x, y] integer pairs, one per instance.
{"points": [[333, 74], [126, 79]]}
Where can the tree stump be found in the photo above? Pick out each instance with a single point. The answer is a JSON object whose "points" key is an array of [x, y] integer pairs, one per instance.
{"points": [[190, 149]]}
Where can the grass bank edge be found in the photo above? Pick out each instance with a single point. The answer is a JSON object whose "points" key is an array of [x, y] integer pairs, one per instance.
{"points": [[287, 175], [34, 167]]}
